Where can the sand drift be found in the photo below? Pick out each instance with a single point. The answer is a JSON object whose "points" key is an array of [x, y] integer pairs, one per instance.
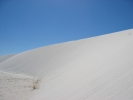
{"points": [[97, 68]]}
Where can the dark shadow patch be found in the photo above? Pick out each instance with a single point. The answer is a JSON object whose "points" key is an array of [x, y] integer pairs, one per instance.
{"points": [[36, 84]]}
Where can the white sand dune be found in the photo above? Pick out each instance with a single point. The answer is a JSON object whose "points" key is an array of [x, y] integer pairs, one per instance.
{"points": [[97, 68], [3, 58]]}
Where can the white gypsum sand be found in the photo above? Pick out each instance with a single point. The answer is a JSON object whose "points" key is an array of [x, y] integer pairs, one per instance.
{"points": [[15, 87], [3, 58], [97, 68]]}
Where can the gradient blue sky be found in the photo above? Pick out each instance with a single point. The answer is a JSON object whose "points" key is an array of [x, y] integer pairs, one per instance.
{"points": [[29, 24]]}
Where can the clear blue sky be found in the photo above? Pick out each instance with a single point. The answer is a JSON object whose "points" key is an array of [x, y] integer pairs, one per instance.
{"points": [[29, 24]]}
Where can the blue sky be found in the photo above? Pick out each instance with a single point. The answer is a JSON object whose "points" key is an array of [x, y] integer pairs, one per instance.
{"points": [[29, 24]]}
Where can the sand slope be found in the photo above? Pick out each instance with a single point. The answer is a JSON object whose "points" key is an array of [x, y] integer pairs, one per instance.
{"points": [[98, 68], [3, 58]]}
